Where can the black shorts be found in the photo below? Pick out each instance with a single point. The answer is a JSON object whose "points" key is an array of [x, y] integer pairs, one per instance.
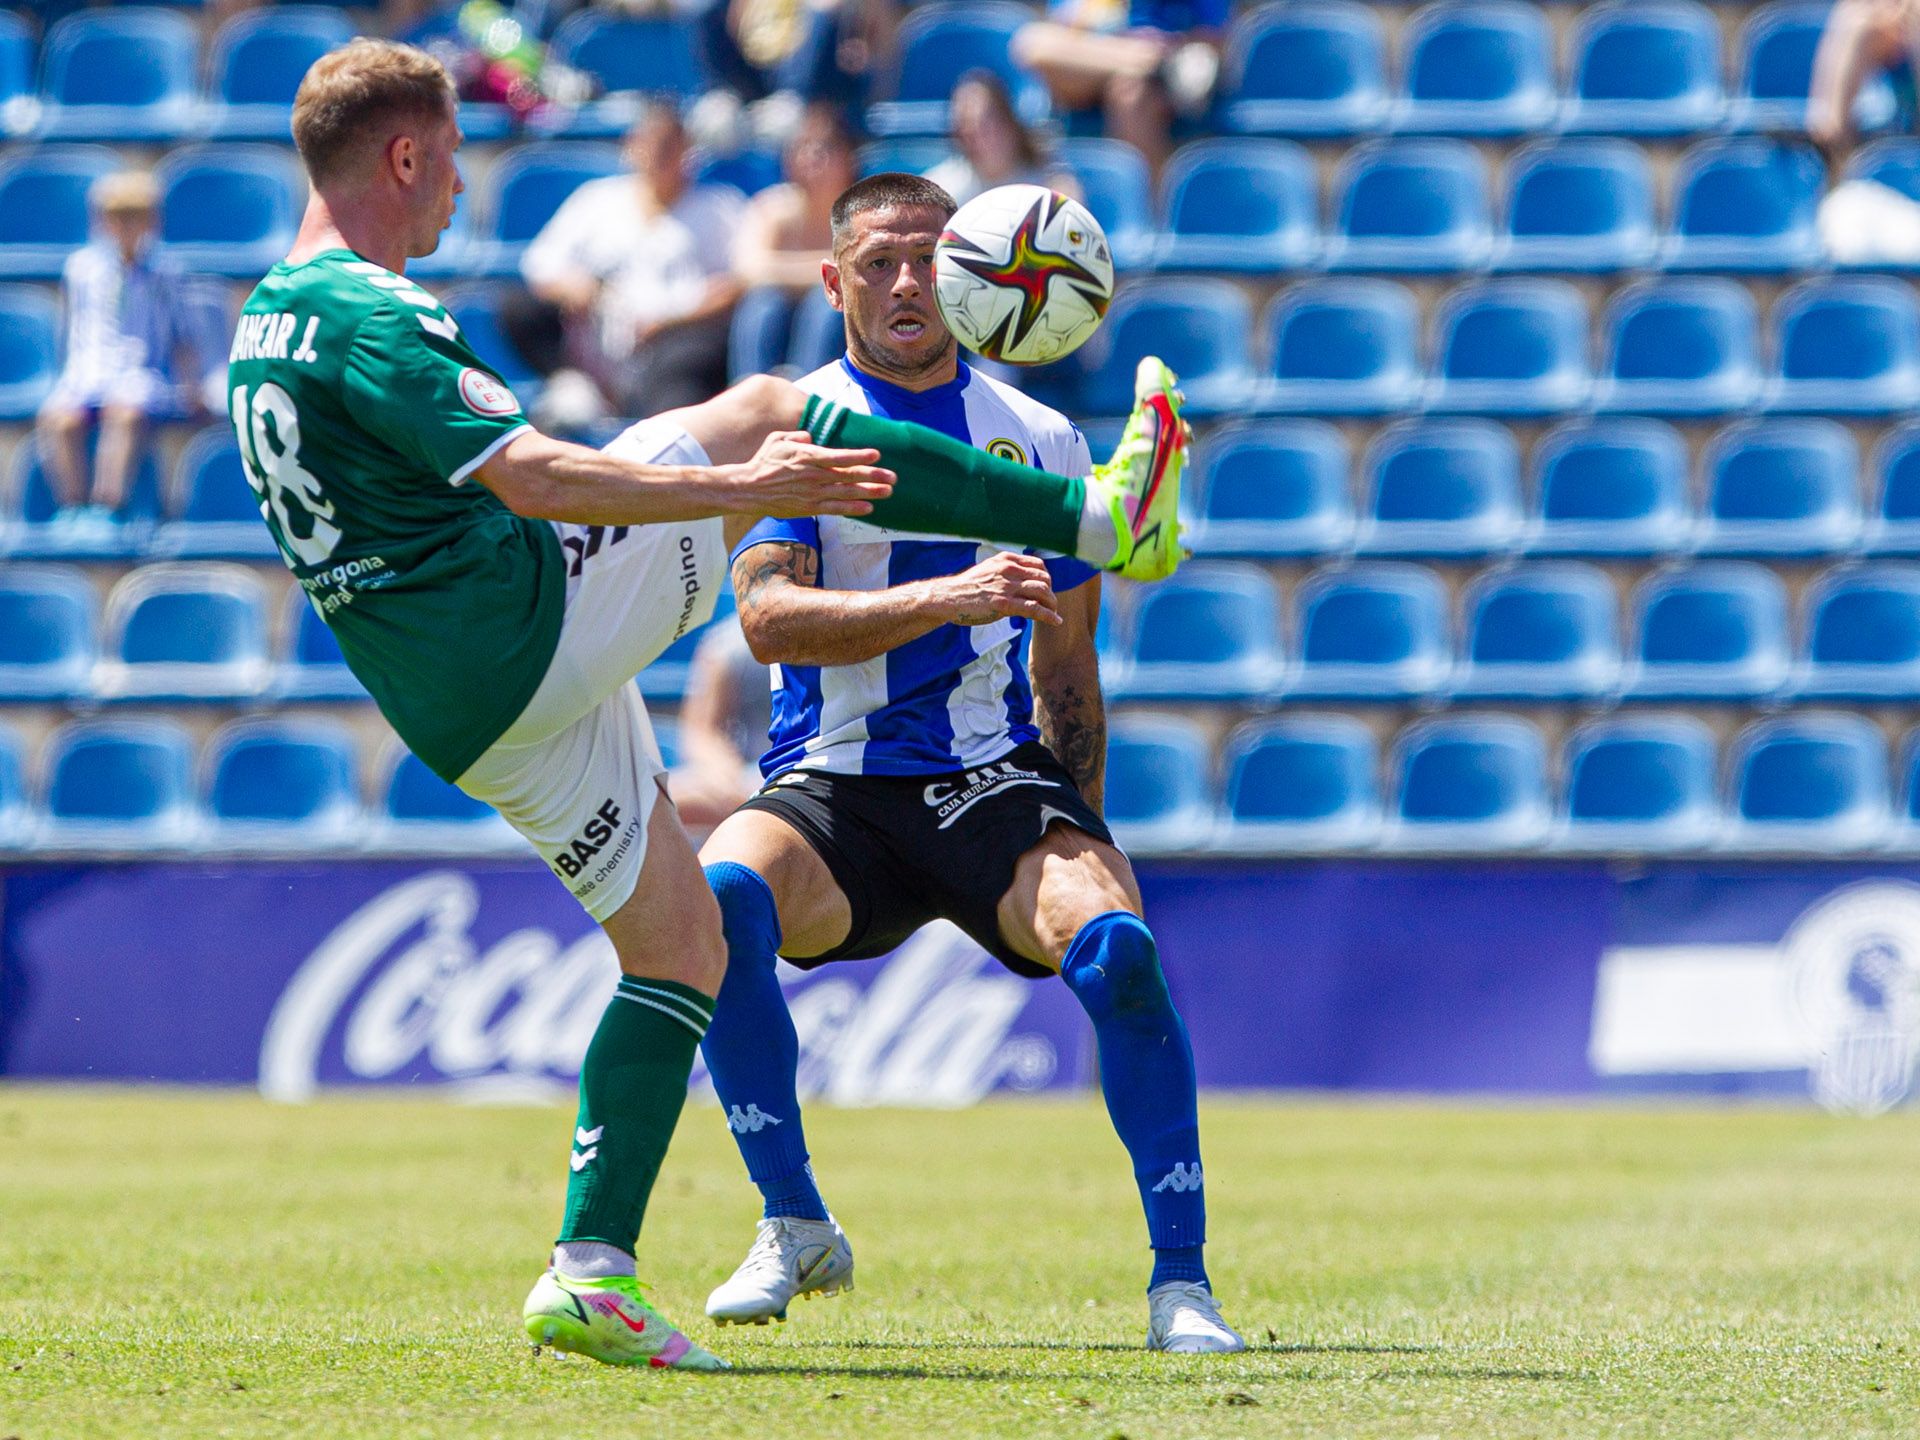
{"points": [[909, 849]]}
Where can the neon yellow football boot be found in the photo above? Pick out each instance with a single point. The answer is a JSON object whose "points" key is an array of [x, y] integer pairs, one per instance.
{"points": [[1141, 482], [610, 1321]]}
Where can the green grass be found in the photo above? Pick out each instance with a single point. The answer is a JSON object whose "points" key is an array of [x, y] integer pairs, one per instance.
{"points": [[204, 1264]]}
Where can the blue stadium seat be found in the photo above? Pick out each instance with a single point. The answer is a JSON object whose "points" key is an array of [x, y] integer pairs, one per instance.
{"points": [[123, 73], [938, 44], [1305, 67], [1211, 633], [184, 632], [33, 533], [1894, 163], [917, 154], [311, 667], [475, 308], [1411, 205], [1640, 783], [1545, 632], [1116, 187], [43, 206], [118, 785], [1848, 345], [1894, 528], [1611, 487], [1512, 347], [1301, 782], [229, 209], [258, 60], [1578, 205], [282, 783], [628, 54], [1276, 487], [1467, 783], [19, 112], [1342, 347], [1478, 67], [1781, 487], [29, 345], [216, 513], [1777, 45], [1649, 67], [1198, 326], [1240, 204], [528, 185], [1746, 205], [1863, 635], [16, 816], [422, 812], [1372, 632], [1158, 798], [1906, 834], [1716, 631], [1442, 487], [1680, 347], [1809, 781], [46, 633]]}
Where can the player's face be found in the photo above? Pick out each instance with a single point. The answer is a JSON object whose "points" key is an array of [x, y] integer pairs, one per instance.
{"points": [[885, 289], [438, 185]]}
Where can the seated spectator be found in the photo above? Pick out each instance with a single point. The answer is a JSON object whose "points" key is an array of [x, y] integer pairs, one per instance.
{"points": [[1140, 66], [631, 281], [1862, 39], [723, 728], [992, 145], [780, 54]]}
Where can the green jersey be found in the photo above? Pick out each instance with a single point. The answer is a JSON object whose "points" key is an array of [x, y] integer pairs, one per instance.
{"points": [[362, 413]]}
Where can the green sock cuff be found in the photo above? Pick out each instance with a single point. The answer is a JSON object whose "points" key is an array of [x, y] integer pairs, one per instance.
{"points": [[684, 1003], [822, 419]]}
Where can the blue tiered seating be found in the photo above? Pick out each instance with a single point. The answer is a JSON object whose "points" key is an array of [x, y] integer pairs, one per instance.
{"points": [[1273, 487], [1746, 205], [29, 532], [1372, 632], [1412, 205], [1158, 793], [46, 633], [256, 64], [122, 784], [941, 42], [1894, 527], [1611, 487], [29, 343], [121, 73], [1198, 326], [1469, 782], [1578, 205], [16, 815], [185, 632], [1211, 632], [1301, 782], [1715, 631], [311, 666], [43, 206], [1306, 67], [1545, 632], [1778, 46], [1345, 347], [1863, 635], [1781, 487], [286, 783], [1240, 204], [1809, 782], [1511, 347], [215, 513], [1442, 487], [1680, 347], [1848, 346], [1640, 783], [1478, 67], [1647, 67], [229, 209]]}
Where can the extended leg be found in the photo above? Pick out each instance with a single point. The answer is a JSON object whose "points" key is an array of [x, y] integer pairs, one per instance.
{"points": [[121, 430], [63, 446]]}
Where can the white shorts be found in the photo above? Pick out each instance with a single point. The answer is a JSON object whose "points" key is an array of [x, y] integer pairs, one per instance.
{"points": [[578, 773]]}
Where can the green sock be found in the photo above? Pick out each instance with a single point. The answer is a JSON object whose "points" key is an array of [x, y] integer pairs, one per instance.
{"points": [[949, 488], [632, 1088]]}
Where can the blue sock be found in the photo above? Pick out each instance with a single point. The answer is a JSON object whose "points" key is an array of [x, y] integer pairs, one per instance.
{"points": [[1146, 1073], [753, 1051]]}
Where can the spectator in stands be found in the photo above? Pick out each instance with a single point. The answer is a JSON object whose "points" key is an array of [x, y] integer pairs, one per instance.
{"points": [[1141, 64], [992, 145], [723, 727], [631, 281], [1862, 39], [777, 55]]}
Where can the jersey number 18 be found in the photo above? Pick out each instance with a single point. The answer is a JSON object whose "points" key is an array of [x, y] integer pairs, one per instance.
{"points": [[269, 431]]}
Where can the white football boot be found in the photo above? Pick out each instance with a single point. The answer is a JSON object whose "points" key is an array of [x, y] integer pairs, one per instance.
{"points": [[789, 1257], [1183, 1318]]}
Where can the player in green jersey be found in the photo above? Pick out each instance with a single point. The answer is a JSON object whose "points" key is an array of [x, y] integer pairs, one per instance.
{"points": [[497, 590]]}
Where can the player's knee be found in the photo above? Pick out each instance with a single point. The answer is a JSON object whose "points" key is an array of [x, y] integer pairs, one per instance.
{"points": [[769, 403], [705, 946], [1113, 966], [749, 919]]}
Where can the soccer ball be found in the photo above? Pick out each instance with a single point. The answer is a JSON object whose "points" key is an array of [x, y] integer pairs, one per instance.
{"points": [[1023, 274]]}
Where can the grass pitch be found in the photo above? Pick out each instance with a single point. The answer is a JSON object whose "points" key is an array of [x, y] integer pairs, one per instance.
{"points": [[198, 1265]]}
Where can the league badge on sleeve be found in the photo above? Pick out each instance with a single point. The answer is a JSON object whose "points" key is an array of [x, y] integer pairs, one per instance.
{"points": [[485, 395]]}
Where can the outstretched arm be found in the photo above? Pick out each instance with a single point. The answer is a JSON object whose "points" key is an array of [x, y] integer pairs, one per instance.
{"points": [[1067, 703]]}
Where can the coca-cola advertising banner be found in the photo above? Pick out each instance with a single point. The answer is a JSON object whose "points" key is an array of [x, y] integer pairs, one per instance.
{"points": [[1494, 977]]}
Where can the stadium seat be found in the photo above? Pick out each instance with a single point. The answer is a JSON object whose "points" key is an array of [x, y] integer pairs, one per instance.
{"points": [[1116, 187], [1158, 798], [257, 62], [1342, 347], [216, 513], [35, 533], [184, 632], [1894, 528], [1511, 347], [1276, 487], [527, 186], [1303, 783], [1746, 205], [1547, 631], [229, 209], [1411, 205], [1212, 633], [1578, 205], [29, 345], [1305, 67], [1638, 784], [46, 633], [43, 206], [1777, 45], [630, 55], [475, 308], [1372, 632], [1848, 345], [1240, 204], [312, 667], [1469, 783], [1894, 163], [16, 816], [1716, 631], [281, 783], [124, 73], [1808, 781], [19, 111], [1781, 487], [1649, 67], [1611, 487], [1198, 326], [666, 678], [1863, 635], [1478, 67], [1442, 487], [1680, 347], [118, 785], [420, 812], [938, 44]]}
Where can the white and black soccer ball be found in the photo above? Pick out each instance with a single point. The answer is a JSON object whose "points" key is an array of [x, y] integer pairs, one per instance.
{"points": [[1023, 274]]}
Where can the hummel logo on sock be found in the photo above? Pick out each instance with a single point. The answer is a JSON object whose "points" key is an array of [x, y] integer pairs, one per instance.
{"points": [[588, 1137], [589, 1143], [1180, 1179]]}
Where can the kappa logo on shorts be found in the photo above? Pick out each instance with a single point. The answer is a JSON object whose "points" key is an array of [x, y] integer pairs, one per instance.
{"points": [[594, 837], [950, 801]]}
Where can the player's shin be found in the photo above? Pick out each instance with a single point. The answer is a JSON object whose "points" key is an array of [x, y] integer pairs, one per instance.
{"points": [[1146, 1074], [753, 1051]]}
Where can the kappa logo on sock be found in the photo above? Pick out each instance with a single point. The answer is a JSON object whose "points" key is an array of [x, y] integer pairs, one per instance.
{"points": [[750, 1121], [1181, 1179], [589, 1143]]}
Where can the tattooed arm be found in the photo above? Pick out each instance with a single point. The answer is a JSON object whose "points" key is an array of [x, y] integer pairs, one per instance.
{"points": [[1066, 693]]}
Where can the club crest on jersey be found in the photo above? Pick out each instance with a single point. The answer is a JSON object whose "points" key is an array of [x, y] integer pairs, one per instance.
{"points": [[1005, 449], [484, 395]]}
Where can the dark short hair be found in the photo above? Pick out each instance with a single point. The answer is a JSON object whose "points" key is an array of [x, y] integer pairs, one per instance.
{"points": [[889, 190]]}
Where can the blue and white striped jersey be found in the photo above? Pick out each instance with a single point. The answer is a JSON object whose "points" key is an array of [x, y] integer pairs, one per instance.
{"points": [[959, 695]]}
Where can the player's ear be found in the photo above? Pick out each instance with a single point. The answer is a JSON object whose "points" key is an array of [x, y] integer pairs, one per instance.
{"points": [[403, 157], [830, 279]]}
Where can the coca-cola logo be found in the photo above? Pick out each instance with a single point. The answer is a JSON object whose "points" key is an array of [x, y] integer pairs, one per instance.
{"points": [[400, 990]]}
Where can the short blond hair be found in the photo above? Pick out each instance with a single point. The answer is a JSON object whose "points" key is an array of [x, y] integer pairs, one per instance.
{"points": [[124, 192], [350, 96]]}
